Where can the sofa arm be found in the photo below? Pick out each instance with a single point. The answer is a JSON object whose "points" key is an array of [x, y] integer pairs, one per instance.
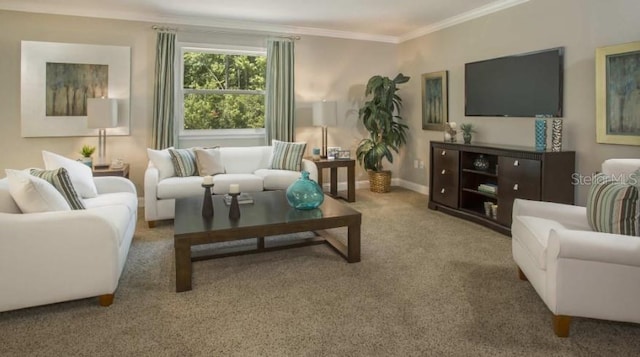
{"points": [[151, 180], [572, 217], [311, 168], [593, 246], [67, 254], [113, 184]]}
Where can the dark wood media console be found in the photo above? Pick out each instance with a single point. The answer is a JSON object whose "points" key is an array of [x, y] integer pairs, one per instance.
{"points": [[517, 172]]}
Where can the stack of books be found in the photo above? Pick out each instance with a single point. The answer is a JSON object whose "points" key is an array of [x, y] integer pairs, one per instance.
{"points": [[488, 188], [243, 198]]}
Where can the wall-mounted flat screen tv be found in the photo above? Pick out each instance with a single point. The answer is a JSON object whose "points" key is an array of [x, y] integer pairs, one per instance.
{"points": [[523, 85]]}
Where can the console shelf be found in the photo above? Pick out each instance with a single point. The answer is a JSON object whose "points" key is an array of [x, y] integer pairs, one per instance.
{"points": [[516, 172]]}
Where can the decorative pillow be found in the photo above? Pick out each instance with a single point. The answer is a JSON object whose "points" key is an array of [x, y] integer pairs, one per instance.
{"points": [[184, 162], [59, 178], [162, 161], [209, 161], [33, 194], [287, 156], [613, 207], [80, 174]]}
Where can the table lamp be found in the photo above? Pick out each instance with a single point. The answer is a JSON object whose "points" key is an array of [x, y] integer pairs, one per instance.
{"points": [[102, 113], [325, 113]]}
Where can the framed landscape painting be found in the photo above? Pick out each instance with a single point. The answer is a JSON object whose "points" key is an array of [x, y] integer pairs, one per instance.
{"points": [[56, 79], [618, 94], [435, 106]]}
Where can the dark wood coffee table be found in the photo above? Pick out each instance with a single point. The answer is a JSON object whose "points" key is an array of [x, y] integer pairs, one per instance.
{"points": [[269, 215]]}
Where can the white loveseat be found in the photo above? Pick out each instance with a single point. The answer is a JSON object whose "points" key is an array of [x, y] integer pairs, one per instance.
{"points": [[58, 256], [575, 270], [246, 166]]}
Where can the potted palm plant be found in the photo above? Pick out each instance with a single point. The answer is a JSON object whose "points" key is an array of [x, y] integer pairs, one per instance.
{"points": [[381, 117]]}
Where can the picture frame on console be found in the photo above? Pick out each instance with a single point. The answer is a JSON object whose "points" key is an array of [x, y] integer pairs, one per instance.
{"points": [[618, 94], [435, 104]]}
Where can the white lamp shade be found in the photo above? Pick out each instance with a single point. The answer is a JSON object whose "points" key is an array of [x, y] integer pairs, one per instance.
{"points": [[325, 113], [102, 113]]}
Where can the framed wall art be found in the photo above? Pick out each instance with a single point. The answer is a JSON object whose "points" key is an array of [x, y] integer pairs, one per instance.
{"points": [[56, 79], [435, 104], [618, 94]]}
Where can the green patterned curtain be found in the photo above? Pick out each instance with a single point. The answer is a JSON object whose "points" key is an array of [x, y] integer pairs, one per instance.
{"points": [[164, 91], [280, 96]]}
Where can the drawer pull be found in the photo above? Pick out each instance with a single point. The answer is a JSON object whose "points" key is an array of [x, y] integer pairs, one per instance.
{"points": [[443, 171], [516, 163], [443, 153], [442, 191], [515, 187]]}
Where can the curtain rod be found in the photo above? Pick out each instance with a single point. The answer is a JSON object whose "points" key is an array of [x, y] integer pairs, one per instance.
{"points": [[216, 30]]}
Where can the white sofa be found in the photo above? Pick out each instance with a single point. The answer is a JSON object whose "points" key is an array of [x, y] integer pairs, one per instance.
{"points": [[58, 256], [246, 166], [576, 271]]}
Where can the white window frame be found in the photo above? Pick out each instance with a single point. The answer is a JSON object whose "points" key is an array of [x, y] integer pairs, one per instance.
{"points": [[249, 133]]}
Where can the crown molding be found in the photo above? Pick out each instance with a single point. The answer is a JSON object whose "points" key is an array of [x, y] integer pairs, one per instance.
{"points": [[255, 27], [464, 17]]}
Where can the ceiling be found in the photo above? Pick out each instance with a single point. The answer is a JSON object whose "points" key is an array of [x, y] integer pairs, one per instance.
{"points": [[376, 20]]}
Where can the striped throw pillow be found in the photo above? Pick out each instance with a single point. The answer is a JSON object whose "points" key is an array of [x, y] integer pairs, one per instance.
{"points": [[613, 207], [184, 162], [287, 156], [59, 178]]}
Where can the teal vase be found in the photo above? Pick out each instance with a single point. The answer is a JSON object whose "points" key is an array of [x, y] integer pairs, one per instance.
{"points": [[305, 193]]}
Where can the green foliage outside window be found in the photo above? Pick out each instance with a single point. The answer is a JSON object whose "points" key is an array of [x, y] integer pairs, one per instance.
{"points": [[223, 91]]}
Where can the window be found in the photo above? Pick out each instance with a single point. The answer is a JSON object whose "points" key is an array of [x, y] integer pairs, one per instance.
{"points": [[222, 91]]}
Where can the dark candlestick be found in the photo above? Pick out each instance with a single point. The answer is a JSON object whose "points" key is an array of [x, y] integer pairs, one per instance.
{"points": [[207, 202], [234, 209]]}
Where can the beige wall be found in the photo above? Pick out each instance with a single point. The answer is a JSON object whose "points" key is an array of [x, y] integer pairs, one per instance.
{"points": [[337, 69], [578, 25], [325, 68]]}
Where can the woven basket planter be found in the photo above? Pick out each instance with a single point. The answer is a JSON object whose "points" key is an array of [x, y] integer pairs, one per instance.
{"points": [[379, 181]]}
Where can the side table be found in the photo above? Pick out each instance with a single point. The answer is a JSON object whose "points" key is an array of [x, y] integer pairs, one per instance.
{"points": [[122, 171], [350, 164]]}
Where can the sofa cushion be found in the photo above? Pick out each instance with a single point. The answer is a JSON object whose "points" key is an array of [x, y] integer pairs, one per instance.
{"points": [[533, 234], [59, 178], [126, 199], [80, 174], [209, 161], [161, 159], [287, 156], [33, 194], [613, 207], [277, 179], [244, 160], [247, 182], [184, 162], [179, 187]]}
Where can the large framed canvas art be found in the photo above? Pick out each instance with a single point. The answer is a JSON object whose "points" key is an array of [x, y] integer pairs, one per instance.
{"points": [[58, 78], [618, 94]]}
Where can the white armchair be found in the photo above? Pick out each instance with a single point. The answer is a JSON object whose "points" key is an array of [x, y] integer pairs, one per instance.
{"points": [[576, 271]]}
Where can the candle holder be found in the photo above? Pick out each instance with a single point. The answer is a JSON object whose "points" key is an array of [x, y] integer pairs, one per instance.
{"points": [[234, 208], [207, 202]]}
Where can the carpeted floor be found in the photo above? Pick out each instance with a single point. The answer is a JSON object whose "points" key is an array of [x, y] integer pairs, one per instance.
{"points": [[428, 284]]}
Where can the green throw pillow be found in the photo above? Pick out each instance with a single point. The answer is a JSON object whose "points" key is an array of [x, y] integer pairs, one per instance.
{"points": [[287, 156], [613, 207], [184, 162], [59, 178]]}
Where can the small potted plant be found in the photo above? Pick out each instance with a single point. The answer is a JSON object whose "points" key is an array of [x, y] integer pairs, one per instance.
{"points": [[86, 152], [467, 129]]}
